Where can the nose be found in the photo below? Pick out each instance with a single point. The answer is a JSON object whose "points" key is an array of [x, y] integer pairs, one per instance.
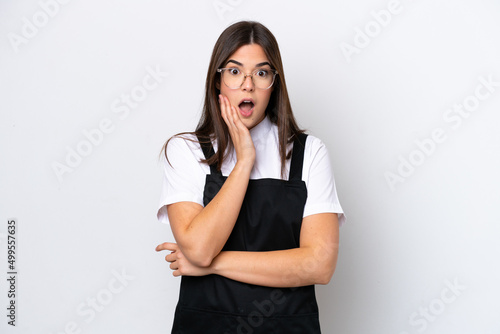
{"points": [[248, 83]]}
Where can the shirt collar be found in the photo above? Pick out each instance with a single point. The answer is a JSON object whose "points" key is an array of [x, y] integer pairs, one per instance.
{"points": [[261, 130]]}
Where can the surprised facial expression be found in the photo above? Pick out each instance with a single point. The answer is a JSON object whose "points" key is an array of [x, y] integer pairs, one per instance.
{"points": [[250, 101]]}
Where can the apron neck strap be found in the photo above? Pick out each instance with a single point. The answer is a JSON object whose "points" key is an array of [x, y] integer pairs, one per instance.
{"points": [[208, 152], [295, 165], [297, 157]]}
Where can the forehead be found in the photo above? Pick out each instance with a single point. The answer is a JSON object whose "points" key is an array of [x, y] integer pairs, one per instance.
{"points": [[249, 55]]}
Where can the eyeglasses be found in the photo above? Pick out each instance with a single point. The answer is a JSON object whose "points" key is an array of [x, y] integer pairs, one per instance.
{"points": [[233, 78]]}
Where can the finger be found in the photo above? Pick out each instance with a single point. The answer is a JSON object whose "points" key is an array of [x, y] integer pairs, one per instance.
{"points": [[227, 111], [223, 108], [239, 127], [237, 121], [221, 104], [174, 266], [231, 111], [167, 246], [176, 273], [171, 257]]}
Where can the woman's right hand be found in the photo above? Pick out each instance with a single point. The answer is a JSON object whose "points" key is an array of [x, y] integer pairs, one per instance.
{"points": [[242, 141]]}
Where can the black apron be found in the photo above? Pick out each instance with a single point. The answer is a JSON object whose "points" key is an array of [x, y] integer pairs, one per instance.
{"points": [[270, 219]]}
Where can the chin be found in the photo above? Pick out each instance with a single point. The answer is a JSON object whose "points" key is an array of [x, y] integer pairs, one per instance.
{"points": [[248, 124]]}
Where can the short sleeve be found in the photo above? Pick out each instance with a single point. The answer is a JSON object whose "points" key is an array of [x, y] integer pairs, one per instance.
{"points": [[318, 175], [183, 177]]}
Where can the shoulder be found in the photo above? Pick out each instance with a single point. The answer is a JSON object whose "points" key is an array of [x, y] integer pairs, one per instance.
{"points": [[187, 140], [316, 157], [182, 148], [320, 181], [314, 146]]}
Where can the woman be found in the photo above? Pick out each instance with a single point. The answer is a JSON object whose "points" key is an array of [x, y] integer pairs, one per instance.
{"points": [[251, 200]]}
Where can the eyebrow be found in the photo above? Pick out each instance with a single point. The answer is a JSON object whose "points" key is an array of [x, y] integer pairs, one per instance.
{"points": [[240, 64]]}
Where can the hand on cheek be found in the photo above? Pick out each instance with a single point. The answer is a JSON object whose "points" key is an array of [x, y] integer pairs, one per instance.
{"points": [[242, 141]]}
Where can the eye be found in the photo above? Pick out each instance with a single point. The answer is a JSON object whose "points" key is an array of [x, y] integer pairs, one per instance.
{"points": [[262, 73], [233, 71]]}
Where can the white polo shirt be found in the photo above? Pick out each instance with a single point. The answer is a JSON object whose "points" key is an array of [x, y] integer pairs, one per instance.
{"points": [[184, 179]]}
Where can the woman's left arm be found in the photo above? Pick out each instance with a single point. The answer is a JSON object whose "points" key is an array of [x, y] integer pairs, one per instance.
{"points": [[312, 263]]}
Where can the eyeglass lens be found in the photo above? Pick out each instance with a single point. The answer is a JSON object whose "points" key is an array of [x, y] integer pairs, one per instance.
{"points": [[234, 78]]}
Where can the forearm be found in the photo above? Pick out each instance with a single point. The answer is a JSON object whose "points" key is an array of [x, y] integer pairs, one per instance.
{"points": [[284, 268], [203, 238]]}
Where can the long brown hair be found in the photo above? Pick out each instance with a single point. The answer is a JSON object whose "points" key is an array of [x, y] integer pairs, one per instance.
{"points": [[211, 125]]}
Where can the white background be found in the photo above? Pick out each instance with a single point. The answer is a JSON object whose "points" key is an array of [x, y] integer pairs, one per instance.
{"points": [[402, 246]]}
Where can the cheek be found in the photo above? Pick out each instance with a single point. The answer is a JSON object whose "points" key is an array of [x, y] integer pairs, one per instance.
{"points": [[266, 98], [228, 93], [223, 90]]}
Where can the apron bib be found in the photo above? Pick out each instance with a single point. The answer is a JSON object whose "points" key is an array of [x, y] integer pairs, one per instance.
{"points": [[270, 219]]}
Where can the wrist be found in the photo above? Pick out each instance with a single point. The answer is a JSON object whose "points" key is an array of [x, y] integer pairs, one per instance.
{"points": [[216, 264], [244, 165]]}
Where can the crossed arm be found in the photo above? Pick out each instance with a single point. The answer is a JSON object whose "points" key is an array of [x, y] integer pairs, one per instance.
{"points": [[312, 263], [201, 232]]}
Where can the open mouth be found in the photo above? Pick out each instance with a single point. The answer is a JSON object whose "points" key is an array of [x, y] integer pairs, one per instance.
{"points": [[246, 107]]}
